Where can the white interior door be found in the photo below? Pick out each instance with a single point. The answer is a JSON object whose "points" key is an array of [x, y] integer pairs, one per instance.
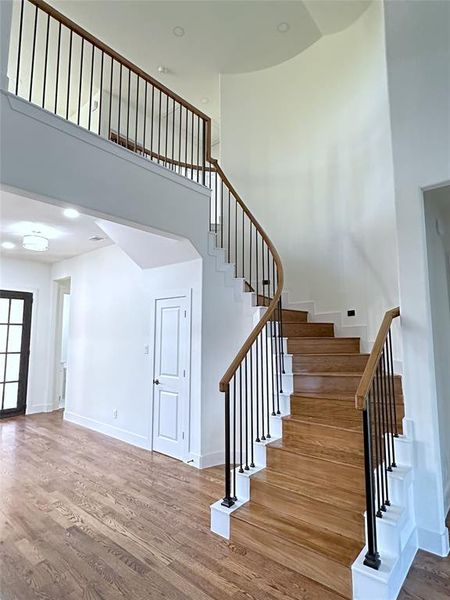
{"points": [[171, 376]]}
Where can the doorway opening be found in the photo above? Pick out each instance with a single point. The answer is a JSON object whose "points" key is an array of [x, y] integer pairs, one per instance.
{"points": [[61, 342]]}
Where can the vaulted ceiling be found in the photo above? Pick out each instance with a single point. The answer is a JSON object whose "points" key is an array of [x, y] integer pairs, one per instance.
{"points": [[196, 41]]}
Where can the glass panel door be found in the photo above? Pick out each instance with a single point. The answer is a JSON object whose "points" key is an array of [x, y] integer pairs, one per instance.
{"points": [[15, 327]]}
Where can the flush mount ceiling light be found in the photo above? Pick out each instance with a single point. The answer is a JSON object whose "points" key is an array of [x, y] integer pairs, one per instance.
{"points": [[178, 31], [162, 69], [283, 27], [8, 245], [35, 242], [71, 213], [96, 238]]}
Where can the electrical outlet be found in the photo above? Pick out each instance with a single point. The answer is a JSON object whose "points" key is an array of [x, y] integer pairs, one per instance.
{"points": [[351, 313], [115, 413]]}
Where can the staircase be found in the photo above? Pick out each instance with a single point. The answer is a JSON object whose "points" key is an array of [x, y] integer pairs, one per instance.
{"points": [[307, 506]]}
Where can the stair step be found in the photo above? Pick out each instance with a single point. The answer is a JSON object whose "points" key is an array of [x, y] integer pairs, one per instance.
{"points": [[324, 441], [307, 507], [294, 316], [308, 329], [313, 363], [321, 471], [316, 553], [332, 382], [322, 345], [339, 411], [329, 494]]}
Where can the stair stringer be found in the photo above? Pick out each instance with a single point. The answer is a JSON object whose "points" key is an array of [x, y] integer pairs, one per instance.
{"points": [[396, 531]]}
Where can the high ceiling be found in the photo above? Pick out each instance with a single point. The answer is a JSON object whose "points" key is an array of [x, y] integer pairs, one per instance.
{"points": [[67, 237], [197, 40]]}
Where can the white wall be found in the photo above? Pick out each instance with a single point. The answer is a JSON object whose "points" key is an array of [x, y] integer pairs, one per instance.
{"points": [[418, 59], [34, 277], [437, 221], [307, 144]]}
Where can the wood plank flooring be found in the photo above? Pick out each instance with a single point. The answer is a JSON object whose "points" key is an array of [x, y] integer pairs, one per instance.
{"points": [[86, 517]]}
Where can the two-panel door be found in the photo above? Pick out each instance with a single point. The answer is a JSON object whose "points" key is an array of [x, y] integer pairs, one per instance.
{"points": [[171, 376]]}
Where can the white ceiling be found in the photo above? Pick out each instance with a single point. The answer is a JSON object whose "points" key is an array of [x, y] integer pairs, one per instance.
{"points": [[220, 36], [67, 237]]}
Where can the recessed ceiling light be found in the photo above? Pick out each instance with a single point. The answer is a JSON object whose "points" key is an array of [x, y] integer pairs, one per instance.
{"points": [[8, 245], [35, 242], [178, 31], [204, 100], [96, 238], [71, 213], [283, 27]]}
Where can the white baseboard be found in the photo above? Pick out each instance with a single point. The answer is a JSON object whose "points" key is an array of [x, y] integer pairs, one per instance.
{"points": [[434, 541], [203, 461], [34, 409], [115, 432]]}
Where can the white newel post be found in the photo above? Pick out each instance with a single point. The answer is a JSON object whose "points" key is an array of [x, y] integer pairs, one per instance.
{"points": [[5, 34]]}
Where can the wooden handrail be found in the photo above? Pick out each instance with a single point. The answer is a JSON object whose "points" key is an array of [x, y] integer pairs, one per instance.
{"points": [[116, 56], [374, 358], [225, 381]]}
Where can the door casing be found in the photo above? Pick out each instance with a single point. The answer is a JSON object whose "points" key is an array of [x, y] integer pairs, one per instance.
{"points": [[185, 293]]}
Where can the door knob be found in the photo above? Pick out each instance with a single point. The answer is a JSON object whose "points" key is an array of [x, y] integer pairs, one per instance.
{"points": [[156, 381]]}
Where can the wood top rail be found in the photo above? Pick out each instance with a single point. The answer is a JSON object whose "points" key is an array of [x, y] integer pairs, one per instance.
{"points": [[374, 358], [225, 381], [116, 56]]}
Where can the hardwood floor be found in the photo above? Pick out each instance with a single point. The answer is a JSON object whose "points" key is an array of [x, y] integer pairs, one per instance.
{"points": [[86, 517]]}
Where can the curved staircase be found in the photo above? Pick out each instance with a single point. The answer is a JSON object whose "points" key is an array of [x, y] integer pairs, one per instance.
{"points": [[307, 506]]}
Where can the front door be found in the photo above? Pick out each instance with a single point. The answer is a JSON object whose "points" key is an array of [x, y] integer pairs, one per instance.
{"points": [[171, 376], [15, 327]]}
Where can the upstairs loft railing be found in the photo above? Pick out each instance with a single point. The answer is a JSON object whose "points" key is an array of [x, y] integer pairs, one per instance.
{"points": [[376, 398], [64, 69]]}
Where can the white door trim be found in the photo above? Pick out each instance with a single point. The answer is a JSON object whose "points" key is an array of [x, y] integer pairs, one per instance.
{"points": [[186, 412]]}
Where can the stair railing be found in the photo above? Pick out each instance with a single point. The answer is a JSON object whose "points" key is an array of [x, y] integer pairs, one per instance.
{"points": [[376, 398], [64, 69]]}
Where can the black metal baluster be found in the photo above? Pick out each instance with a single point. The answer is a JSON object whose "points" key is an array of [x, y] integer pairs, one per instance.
{"points": [[392, 382], [234, 437], [198, 149], [381, 438], [136, 124], [91, 86], [144, 125], [45, 61], [235, 236], [389, 408], [282, 339], [263, 391], [377, 448], [268, 436], [110, 97], [372, 558], [385, 412], [100, 100], [33, 53], [192, 146], [19, 49], [243, 244], [257, 266], [58, 57], [173, 134], [128, 109], [81, 81], [241, 470], [252, 462], [152, 122], [179, 139], [246, 415], [120, 103], [227, 500], [229, 225], [68, 74], [167, 129], [257, 439]]}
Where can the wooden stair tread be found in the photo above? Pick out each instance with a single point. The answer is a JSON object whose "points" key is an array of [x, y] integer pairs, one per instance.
{"points": [[338, 548], [334, 396], [329, 426], [354, 500]]}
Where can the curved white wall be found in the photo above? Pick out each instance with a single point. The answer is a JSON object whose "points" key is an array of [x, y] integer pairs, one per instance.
{"points": [[307, 144]]}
